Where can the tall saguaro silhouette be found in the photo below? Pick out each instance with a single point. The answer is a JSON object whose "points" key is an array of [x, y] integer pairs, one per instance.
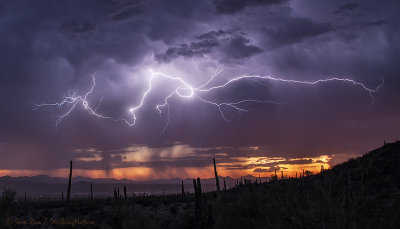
{"points": [[224, 185], [183, 190], [216, 175], [197, 194], [69, 182], [91, 191]]}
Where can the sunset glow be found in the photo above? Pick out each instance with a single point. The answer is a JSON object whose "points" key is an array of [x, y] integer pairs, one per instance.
{"points": [[255, 166]]}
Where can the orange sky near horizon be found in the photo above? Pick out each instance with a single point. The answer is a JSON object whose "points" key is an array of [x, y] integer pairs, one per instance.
{"points": [[144, 173]]}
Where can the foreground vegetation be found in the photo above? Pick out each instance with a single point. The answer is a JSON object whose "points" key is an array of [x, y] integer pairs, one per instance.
{"points": [[360, 193]]}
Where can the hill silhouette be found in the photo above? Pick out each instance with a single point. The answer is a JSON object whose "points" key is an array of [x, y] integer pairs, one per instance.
{"points": [[361, 193]]}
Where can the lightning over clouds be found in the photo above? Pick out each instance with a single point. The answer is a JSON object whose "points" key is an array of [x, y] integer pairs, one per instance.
{"points": [[164, 85], [185, 91]]}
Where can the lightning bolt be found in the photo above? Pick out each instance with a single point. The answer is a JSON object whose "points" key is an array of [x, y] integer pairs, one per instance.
{"points": [[72, 100], [185, 91]]}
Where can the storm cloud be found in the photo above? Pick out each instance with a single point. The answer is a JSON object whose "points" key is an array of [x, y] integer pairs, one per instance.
{"points": [[50, 49], [229, 45], [232, 6]]}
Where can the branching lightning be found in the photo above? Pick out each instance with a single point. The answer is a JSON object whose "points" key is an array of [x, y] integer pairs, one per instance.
{"points": [[185, 91], [71, 101]]}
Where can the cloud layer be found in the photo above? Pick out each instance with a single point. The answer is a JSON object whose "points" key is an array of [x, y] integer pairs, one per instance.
{"points": [[52, 47]]}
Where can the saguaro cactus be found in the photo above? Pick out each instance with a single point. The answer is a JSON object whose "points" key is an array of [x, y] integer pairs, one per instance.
{"points": [[199, 186], [216, 175], [115, 193], [275, 177], [197, 195], [124, 191], [183, 190], [69, 182], [224, 185], [91, 191]]}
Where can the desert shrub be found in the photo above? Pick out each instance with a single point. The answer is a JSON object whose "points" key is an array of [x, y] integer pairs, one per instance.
{"points": [[8, 195], [7, 200]]}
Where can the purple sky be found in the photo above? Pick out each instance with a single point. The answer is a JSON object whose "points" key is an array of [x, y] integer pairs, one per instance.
{"points": [[50, 48]]}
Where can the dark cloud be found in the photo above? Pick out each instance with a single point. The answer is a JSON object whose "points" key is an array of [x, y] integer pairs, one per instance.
{"points": [[268, 170], [2, 9], [233, 6], [124, 10], [240, 47], [348, 10], [193, 49], [78, 28], [109, 161], [295, 30], [375, 23], [127, 11], [113, 160], [349, 6], [214, 35], [231, 44]]}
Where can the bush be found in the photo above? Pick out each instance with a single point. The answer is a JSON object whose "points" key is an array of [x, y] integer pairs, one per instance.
{"points": [[8, 196], [6, 200]]}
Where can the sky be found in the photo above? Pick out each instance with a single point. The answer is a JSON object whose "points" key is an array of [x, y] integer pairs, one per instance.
{"points": [[154, 89]]}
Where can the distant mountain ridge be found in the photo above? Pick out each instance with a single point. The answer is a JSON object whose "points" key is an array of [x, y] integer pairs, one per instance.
{"points": [[58, 180], [42, 185]]}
